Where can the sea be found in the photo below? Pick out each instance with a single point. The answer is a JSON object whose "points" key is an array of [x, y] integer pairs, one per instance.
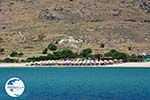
{"points": [[51, 83]]}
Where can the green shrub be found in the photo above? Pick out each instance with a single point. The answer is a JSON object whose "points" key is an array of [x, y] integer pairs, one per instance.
{"points": [[63, 54], [136, 58], [66, 53], [23, 61], [86, 52], [129, 48], [52, 57], [20, 54], [52, 47], [97, 56], [117, 55], [133, 58], [102, 45], [13, 54], [9, 60], [31, 59], [147, 21], [42, 58], [45, 51], [2, 50]]}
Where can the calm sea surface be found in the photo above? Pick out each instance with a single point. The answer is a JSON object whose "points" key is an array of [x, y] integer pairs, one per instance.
{"points": [[79, 83]]}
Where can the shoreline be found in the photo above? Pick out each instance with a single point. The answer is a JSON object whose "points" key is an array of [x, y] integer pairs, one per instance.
{"points": [[11, 65], [132, 64], [128, 64]]}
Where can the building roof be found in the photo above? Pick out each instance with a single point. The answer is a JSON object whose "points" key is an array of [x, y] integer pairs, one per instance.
{"points": [[146, 54]]}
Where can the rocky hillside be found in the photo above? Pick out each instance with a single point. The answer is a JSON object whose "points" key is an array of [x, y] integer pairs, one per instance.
{"points": [[29, 25]]}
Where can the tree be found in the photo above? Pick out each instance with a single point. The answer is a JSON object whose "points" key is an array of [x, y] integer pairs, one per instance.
{"points": [[102, 45], [13, 54], [2, 50], [63, 54], [20, 54], [86, 52], [67, 53], [140, 58], [57, 55], [129, 48], [31, 59], [133, 58], [52, 47], [117, 55], [42, 58], [52, 57], [45, 51], [8, 60], [97, 56]]}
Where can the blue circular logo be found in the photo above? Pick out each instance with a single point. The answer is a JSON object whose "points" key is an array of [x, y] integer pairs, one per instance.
{"points": [[14, 87]]}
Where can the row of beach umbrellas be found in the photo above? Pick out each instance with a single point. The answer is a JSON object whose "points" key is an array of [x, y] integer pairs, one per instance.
{"points": [[73, 62]]}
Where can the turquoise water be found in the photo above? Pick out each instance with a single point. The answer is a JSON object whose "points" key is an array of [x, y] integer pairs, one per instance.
{"points": [[79, 83]]}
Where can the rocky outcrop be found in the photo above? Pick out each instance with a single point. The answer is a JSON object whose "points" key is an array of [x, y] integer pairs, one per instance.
{"points": [[45, 14], [144, 5], [70, 42], [58, 14]]}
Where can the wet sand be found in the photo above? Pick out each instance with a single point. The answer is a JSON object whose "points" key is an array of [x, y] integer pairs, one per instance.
{"points": [[131, 64], [12, 64]]}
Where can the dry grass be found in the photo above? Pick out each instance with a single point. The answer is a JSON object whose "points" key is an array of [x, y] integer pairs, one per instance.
{"points": [[116, 23]]}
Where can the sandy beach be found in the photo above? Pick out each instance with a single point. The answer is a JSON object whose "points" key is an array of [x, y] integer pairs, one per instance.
{"points": [[129, 64], [12, 64]]}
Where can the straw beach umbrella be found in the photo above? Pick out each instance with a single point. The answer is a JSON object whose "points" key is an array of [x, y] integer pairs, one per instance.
{"points": [[73, 62], [66, 62], [111, 62], [76, 62], [31, 63], [101, 62], [106, 62], [88, 62], [49, 62], [115, 60], [84, 62], [80, 62], [92, 62], [97, 62], [61, 62]]}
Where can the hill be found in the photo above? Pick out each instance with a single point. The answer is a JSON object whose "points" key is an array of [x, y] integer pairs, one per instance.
{"points": [[30, 25]]}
